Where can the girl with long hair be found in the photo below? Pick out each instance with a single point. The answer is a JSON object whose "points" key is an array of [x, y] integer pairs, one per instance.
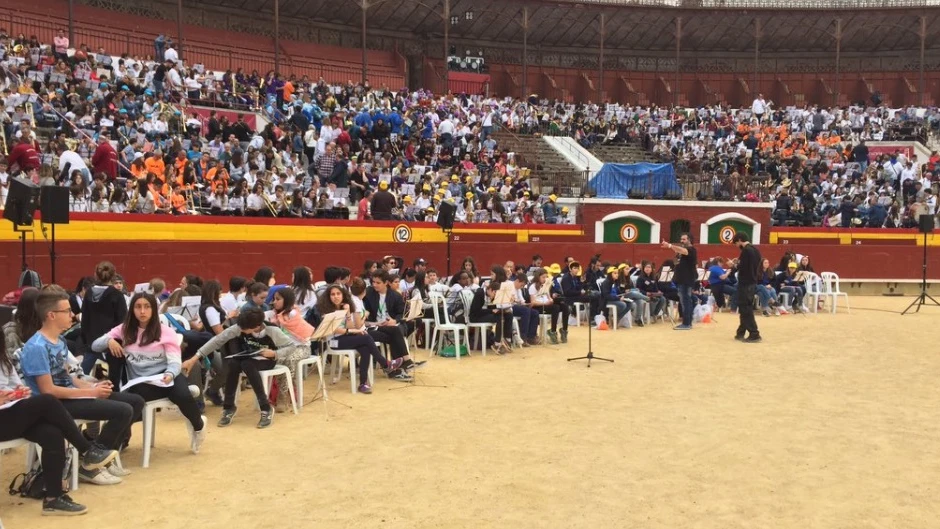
{"points": [[302, 285], [151, 351], [647, 285], [351, 334]]}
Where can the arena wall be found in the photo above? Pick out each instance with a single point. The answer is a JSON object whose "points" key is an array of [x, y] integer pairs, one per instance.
{"points": [[143, 247]]}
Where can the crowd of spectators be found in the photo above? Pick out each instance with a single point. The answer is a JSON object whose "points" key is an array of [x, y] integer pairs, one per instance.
{"points": [[121, 133]]}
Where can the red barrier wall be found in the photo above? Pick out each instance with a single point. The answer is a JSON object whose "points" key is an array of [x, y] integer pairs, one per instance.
{"points": [[141, 261]]}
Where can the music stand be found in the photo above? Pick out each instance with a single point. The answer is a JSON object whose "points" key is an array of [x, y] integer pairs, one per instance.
{"points": [[922, 298]]}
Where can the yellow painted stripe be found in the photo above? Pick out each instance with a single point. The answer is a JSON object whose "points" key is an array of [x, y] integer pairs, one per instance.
{"points": [[182, 231]]}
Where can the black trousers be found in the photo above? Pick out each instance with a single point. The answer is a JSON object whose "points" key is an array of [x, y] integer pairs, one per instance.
{"points": [[556, 308], [503, 321], [393, 336], [252, 369], [368, 352], [746, 310], [178, 394], [43, 420], [120, 410]]}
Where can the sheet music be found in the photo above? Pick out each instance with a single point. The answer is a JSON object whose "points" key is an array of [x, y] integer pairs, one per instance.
{"points": [[329, 324], [415, 309], [153, 380], [142, 287], [505, 296]]}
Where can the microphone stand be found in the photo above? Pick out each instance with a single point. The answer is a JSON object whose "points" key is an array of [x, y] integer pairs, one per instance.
{"points": [[590, 354]]}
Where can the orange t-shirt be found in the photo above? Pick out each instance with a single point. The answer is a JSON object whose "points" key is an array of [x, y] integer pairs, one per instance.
{"points": [[157, 167]]}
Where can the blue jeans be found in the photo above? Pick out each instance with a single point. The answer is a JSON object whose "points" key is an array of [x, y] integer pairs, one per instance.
{"points": [[719, 292], [766, 294], [528, 321], [685, 299], [622, 307]]}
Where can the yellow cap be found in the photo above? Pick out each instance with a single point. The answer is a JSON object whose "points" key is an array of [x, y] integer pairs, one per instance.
{"points": [[407, 198], [491, 190], [430, 210], [469, 195], [555, 268], [552, 197], [383, 185], [611, 269], [621, 266], [564, 209], [436, 197], [426, 187], [455, 178]]}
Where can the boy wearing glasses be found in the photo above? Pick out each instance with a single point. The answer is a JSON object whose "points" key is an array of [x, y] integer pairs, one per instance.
{"points": [[44, 360]]}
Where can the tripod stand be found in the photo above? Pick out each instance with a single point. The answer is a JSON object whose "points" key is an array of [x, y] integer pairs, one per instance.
{"points": [[590, 354], [922, 298]]}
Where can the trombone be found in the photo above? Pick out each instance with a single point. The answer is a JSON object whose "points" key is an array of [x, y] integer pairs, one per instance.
{"points": [[267, 202], [3, 144]]}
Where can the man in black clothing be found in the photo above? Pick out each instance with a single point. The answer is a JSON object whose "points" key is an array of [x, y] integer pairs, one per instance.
{"points": [[685, 277], [383, 202], [748, 272]]}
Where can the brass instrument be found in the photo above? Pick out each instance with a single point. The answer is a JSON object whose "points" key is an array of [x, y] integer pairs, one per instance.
{"points": [[267, 202], [3, 144], [132, 205]]}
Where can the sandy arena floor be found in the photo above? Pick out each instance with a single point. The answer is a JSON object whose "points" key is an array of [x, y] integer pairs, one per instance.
{"points": [[832, 422]]}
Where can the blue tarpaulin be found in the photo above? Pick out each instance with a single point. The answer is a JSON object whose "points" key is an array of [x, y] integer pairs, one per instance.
{"points": [[616, 180]]}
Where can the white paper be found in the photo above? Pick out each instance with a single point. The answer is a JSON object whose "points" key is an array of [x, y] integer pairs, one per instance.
{"points": [[142, 287], [154, 380], [11, 403]]}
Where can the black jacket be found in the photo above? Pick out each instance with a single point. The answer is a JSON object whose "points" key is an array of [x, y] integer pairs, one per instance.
{"points": [[478, 306], [103, 308], [394, 304], [571, 286]]}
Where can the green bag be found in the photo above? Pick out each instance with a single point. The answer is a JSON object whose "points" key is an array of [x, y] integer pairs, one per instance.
{"points": [[450, 351]]}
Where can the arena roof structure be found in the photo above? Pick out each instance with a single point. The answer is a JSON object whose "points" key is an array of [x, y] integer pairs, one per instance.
{"points": [[638, 25]]}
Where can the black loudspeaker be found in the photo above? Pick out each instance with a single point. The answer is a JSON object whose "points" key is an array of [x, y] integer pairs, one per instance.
{"points": [[22, 201], [445, 216], [926, 223], [54, 204]]}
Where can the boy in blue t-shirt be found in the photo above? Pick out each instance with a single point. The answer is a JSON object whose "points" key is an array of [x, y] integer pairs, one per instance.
{"points": [[44, 361]]}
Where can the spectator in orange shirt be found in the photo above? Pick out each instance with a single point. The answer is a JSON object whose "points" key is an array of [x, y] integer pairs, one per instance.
{"points": [[155, 165]]}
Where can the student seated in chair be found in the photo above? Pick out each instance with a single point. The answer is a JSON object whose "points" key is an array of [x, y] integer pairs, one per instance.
{"points": [[151, 349], [252, 347], [44, 361], [385, 308]]}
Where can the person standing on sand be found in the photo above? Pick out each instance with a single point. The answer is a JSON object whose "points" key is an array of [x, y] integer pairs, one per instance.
{"points": [[749, 265]]}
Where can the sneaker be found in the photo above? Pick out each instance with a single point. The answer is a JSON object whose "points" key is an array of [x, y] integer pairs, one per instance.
{"points": [[682, 328], [194, 391], [98, 477], [62, 506], [400, 374], [781, 310], [497, 348], [553, 337], [753, 339], [227, 416], [639, 323], [117, 470], [564, 336], [410, 365], [394, 365], [766, 312], [197, 437], [97, 457], [365, 388], [215, 397], [267, 417], [739, 337]]}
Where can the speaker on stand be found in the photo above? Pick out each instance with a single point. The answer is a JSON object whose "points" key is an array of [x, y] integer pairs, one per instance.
{"points": [[925, 226], [54, 209], [22, 201], [445, 219]]}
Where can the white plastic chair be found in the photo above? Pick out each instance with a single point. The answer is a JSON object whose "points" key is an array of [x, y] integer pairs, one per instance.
{"points": [[16, 443], [444, 326], [834, 289], [266, 377], [302, 366], [149, 420], [337, 366], [481, 328], [814, 290]]}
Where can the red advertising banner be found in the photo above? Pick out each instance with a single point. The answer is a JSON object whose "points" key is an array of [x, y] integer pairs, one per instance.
{"points": [[875, 151]]}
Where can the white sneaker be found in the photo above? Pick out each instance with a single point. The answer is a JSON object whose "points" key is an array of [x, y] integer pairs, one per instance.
{"points": [[194, 391], [117, 470], [197, 437], [98, 477]]}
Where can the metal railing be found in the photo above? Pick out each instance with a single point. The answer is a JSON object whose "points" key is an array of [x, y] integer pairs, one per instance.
{"points": [[561, 183], [767, 4], [138, 41]]}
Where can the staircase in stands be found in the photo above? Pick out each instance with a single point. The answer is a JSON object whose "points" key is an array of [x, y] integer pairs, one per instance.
{"points": [[629, 153]]}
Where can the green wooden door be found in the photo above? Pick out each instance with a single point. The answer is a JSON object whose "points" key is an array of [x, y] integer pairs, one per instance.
{"points": [[627, 229], [723, 231]]}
